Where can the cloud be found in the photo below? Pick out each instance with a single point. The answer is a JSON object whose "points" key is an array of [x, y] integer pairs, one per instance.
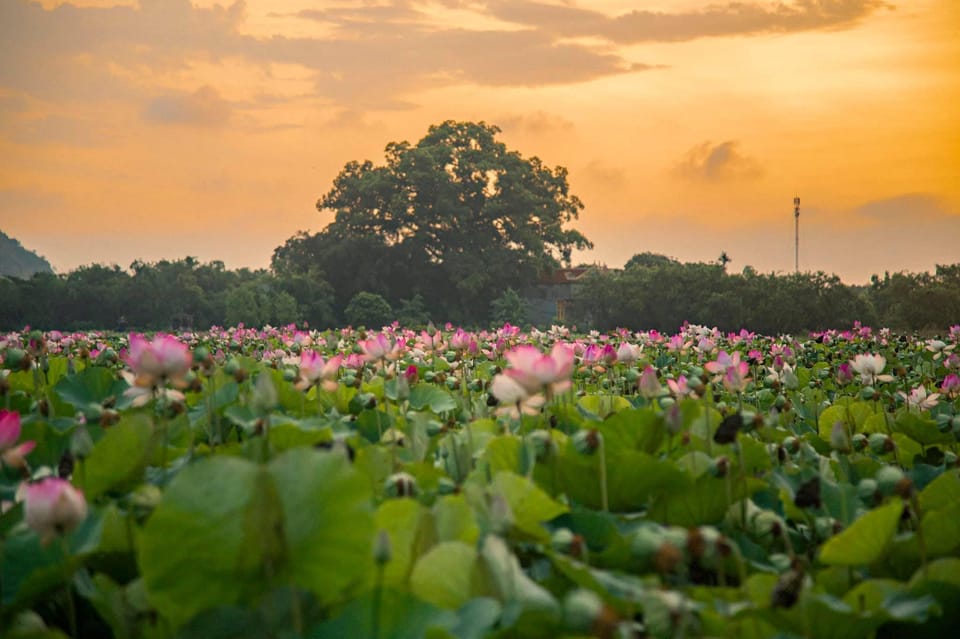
{"points": [[715, 163], [732, 19], [536, 123], [610, 177], [204, 107], [368, 57], [909, 207]]}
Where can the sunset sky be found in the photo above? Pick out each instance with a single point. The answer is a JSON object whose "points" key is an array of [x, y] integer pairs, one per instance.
{"points": [[166, 128]]}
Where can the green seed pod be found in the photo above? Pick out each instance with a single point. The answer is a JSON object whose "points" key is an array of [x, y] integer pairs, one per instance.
{"points": [[868, 491], [401, 485], [880, 443], [581, 610], [887, 479]]}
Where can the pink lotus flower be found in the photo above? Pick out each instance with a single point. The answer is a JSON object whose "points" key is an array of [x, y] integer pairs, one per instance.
{"points": [[951, 385], [735, 377], [164, 358], [844, 374], [723, 362], [313, 371], [53, 508], [680, 388], [377, 348], [535, 371], [11, 454]]}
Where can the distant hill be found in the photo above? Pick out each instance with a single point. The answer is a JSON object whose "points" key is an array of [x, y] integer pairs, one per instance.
{"points": [[16, 261]]}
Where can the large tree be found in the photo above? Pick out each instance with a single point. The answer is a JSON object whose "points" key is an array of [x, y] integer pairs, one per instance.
{"points": [[456, 218]]}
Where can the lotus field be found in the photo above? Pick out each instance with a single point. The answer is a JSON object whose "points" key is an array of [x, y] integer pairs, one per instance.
{"points": [[446, 483]]}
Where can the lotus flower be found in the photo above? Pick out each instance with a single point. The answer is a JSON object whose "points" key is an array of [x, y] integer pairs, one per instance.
{"points": [[11, 454], [313, 371], [164, 358], [649, 384], [53, 507], [377, 348], [919, 399], [869, 367]]}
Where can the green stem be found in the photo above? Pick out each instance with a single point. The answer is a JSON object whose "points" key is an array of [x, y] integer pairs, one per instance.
{"points": [[377, 603], [602, 458], [71, 605]]}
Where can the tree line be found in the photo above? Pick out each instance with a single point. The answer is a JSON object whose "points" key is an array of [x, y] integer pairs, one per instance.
{"points": [[656, 292], [455, 228]]}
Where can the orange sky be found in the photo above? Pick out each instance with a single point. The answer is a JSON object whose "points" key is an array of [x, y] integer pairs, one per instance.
{"points": [[165, 128]]}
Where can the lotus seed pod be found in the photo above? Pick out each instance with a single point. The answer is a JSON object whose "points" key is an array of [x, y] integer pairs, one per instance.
{"points": [[645, 542], [791, 444], [868, 393], [581, 610], [780, 401], [562, 539], [720, 466], [880, 444], [949, 459], [401, 485], [587, 441], [289, 375], [446, 486], [887, 479], [868, 491], [825, 527], [544, 448], [860, 442]]}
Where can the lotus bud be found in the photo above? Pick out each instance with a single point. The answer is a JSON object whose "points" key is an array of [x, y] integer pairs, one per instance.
{"points": [[81, 444], [382, 550], [53, 508], [264, 397], [500, 513], [839, 438]]}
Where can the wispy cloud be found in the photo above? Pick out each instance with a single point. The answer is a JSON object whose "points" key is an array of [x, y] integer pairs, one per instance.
{"points": [[204, 107], [708, 162], [731, 19]]}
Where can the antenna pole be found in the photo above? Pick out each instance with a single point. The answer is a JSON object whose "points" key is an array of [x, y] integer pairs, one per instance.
{"points": [[796, 234]]}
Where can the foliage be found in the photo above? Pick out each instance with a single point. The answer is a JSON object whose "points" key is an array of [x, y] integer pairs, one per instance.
{"points": [[816, 492], [368, 309], [456, 218], [509, 308]]}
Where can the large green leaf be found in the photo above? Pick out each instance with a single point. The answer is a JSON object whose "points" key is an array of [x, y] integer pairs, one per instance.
{"points": [[120, 457], [531, 507], [632, 478], [866, 540], [255, 526], [704, 502], [399, 616], [432, 397], [92, 385], [444, 576]]}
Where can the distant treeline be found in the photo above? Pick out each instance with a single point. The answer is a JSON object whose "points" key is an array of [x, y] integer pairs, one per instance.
{"points": [[659, 293], [652, 292]]}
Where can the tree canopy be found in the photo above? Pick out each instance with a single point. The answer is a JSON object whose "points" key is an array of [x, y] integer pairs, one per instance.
{"points": [[457, 211]]}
